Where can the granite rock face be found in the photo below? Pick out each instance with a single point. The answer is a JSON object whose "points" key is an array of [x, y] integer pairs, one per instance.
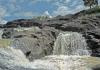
{"points": [[37, 45], [23, 23], [88, 25]]}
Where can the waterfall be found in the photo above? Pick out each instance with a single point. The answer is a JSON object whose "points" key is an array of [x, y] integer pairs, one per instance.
{"points": [[70, 43], [70, 53]]}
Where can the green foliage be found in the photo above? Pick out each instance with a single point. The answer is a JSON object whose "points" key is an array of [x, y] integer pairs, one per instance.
{"points": [[4, 43], [41, 17], [90, 3], [93, 10]]}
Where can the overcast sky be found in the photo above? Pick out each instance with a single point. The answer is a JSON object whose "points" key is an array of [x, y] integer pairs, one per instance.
{"points": [[16, 9]]}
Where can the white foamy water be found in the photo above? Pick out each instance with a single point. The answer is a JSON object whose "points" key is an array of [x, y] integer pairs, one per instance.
{"points": [[70, 53], [61, 62], [70, 49], [70, 43], [11, 57]]}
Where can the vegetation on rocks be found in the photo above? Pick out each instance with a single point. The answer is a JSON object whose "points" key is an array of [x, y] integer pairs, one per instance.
{"points": [[90, 3], [5, 43], [94, 10], [41, 17]]}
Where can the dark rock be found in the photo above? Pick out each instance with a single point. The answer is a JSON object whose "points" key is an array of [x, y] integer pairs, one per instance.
{"points": [[1, 25], [19, 36], [96, 67], [23, 23], [7, 33]]}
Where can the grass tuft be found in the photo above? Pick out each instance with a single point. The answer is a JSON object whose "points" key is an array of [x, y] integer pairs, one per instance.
{"points": [[4, 43]]}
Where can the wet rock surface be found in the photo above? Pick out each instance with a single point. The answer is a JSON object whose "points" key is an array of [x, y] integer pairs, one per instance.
{"points": [[23, 23], [14, 59], [88, 25], [37, 45]]}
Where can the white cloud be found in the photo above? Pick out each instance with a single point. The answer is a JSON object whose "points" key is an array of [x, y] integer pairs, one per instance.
{"points": [[41, 0], [14, 5], [3, 21], [99, 2], [77, 9], [61, 11], [64, 6], [2, 11], [64, 10], [68, 7], [26, 14], [76, 2], [46, 13], [67, 0]]}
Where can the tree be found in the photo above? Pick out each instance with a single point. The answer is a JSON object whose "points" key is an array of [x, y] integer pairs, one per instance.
{"points": [[90, 3], [96, 2]]}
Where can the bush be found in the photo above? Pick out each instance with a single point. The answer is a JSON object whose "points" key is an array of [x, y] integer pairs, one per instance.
{"points": [[93, 10], [41, 17], [5, 43]]}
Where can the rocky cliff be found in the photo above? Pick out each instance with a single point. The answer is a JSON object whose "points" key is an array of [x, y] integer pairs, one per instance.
{"points": [[87, 25]]}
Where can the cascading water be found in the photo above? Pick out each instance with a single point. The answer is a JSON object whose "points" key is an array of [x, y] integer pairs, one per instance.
{"points": [[70, 53], [70, 43], [70, 50]]}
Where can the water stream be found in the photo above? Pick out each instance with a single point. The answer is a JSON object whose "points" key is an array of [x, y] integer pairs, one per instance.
{"points": [[71, 43], [70, 50], [70, 53]]}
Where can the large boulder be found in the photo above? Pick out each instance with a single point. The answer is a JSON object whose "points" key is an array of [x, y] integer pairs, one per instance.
{"points": [[7, 33], [38, 45], [11, 60]]}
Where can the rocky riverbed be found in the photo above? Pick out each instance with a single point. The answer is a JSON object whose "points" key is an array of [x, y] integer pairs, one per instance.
{"points": [[48, 30], [35, 38]]}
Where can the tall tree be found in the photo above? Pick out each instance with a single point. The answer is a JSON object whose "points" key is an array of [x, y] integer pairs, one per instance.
{"points": [[90, 3]]}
